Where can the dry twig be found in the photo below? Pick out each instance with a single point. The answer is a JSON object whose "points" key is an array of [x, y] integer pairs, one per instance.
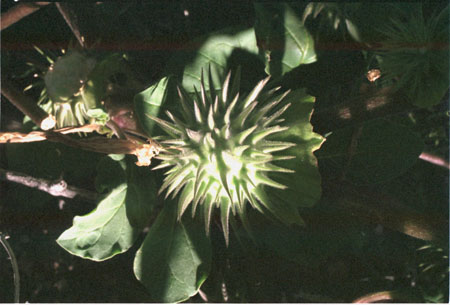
{"points": [[436, 160], [143, 151], [18, 12], [71, 20], [375, 297], [57, 188], [28, 107]]}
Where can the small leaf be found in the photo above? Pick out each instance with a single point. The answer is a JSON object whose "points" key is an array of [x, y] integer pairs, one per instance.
{"points": [[282, 38], [150, 101]]}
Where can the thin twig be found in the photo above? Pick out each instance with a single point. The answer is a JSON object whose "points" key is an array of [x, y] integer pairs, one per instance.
{"points": [[57, 188], [375, 297], [116, 129], [357, 131], [15, 266], [28, 107], [18, 12], [436, 160], [203, 296], [71, 20]]}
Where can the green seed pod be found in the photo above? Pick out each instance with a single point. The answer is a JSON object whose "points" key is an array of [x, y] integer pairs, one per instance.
{"points": [[67, 75], [221, 153], [76, 84]]}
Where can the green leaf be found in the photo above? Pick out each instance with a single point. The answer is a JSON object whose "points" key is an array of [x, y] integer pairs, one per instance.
{"points": [[100, 116], [102, 74], [175, 257], [110, 174], [113, 226], [216, 51], [380, 151], [150, 101], [141, 194], [282, 38], [304, 185], [102, 233]]}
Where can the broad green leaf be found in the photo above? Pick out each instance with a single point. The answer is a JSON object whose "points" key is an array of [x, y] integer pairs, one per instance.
{"points": [[174, 259], [282, 38], [304, 185], [215, 51], [379, 151], [102, 233], [150, 101], [113, 226]]}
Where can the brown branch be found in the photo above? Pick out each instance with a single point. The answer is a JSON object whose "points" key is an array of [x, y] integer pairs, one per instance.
{"points": [[436, 160], [387, 296], [378, 208], [143, 151], [203, 296], [18, 12], [28, 107], [375, 297], [71, 20], [36, 136], [57, 188], [375, 103]]}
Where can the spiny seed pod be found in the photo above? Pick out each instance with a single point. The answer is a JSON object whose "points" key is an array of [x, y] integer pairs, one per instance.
{"points": [[221, 154], [76, 85], [67, 91]]}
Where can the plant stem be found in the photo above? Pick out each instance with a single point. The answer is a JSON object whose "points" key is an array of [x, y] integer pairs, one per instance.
{"points": [[436, 160], [143, 151], [374, 207], [375, 297], [203, 296], [71, 20], [18, 12], [15, 266], [57, 188], [28, 107]]}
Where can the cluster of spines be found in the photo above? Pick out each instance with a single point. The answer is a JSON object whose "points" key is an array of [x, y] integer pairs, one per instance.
{"points": [[218, 129]]}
